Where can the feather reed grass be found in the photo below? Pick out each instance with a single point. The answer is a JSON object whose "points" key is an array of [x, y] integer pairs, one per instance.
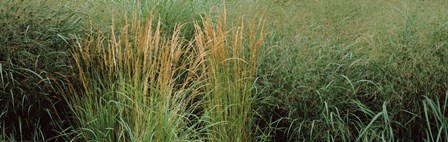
{"points": [[130, 85], [230, 68], [139, 85]]}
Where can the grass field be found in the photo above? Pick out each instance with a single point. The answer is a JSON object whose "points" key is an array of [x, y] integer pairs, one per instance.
{"points": [[235, 70]]}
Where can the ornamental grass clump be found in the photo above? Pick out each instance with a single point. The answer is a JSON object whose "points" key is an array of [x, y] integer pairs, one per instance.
{"points": [[134, 85], [230, 63], [138, 85]]}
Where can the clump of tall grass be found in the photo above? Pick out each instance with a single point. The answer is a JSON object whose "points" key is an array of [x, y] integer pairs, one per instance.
{"points": [[129, 85], [230, 62], [35, 36], [329, 54], [140, 85]]}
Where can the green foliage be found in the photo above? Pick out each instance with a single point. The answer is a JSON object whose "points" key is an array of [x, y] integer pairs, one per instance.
{"points": [[140, 85], [131, 89], [436, 119], [329, 54], [170, 13], [330, 70], [33, 62], [230, 62]]}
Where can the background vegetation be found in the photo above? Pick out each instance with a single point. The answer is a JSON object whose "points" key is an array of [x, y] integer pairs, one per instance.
{"points": [[247, 70]]}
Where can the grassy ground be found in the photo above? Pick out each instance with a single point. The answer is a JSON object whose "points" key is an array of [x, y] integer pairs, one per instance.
{"points": [[248, 70]]}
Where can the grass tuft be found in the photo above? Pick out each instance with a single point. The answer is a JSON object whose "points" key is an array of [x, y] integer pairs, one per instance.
{"points": [[138, 84]]}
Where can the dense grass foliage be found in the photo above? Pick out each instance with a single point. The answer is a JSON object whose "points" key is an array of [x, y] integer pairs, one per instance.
{"points": [[132, 90], [141, 86], [231, 60], [34, 40], [352, 70], [193, 70]]}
